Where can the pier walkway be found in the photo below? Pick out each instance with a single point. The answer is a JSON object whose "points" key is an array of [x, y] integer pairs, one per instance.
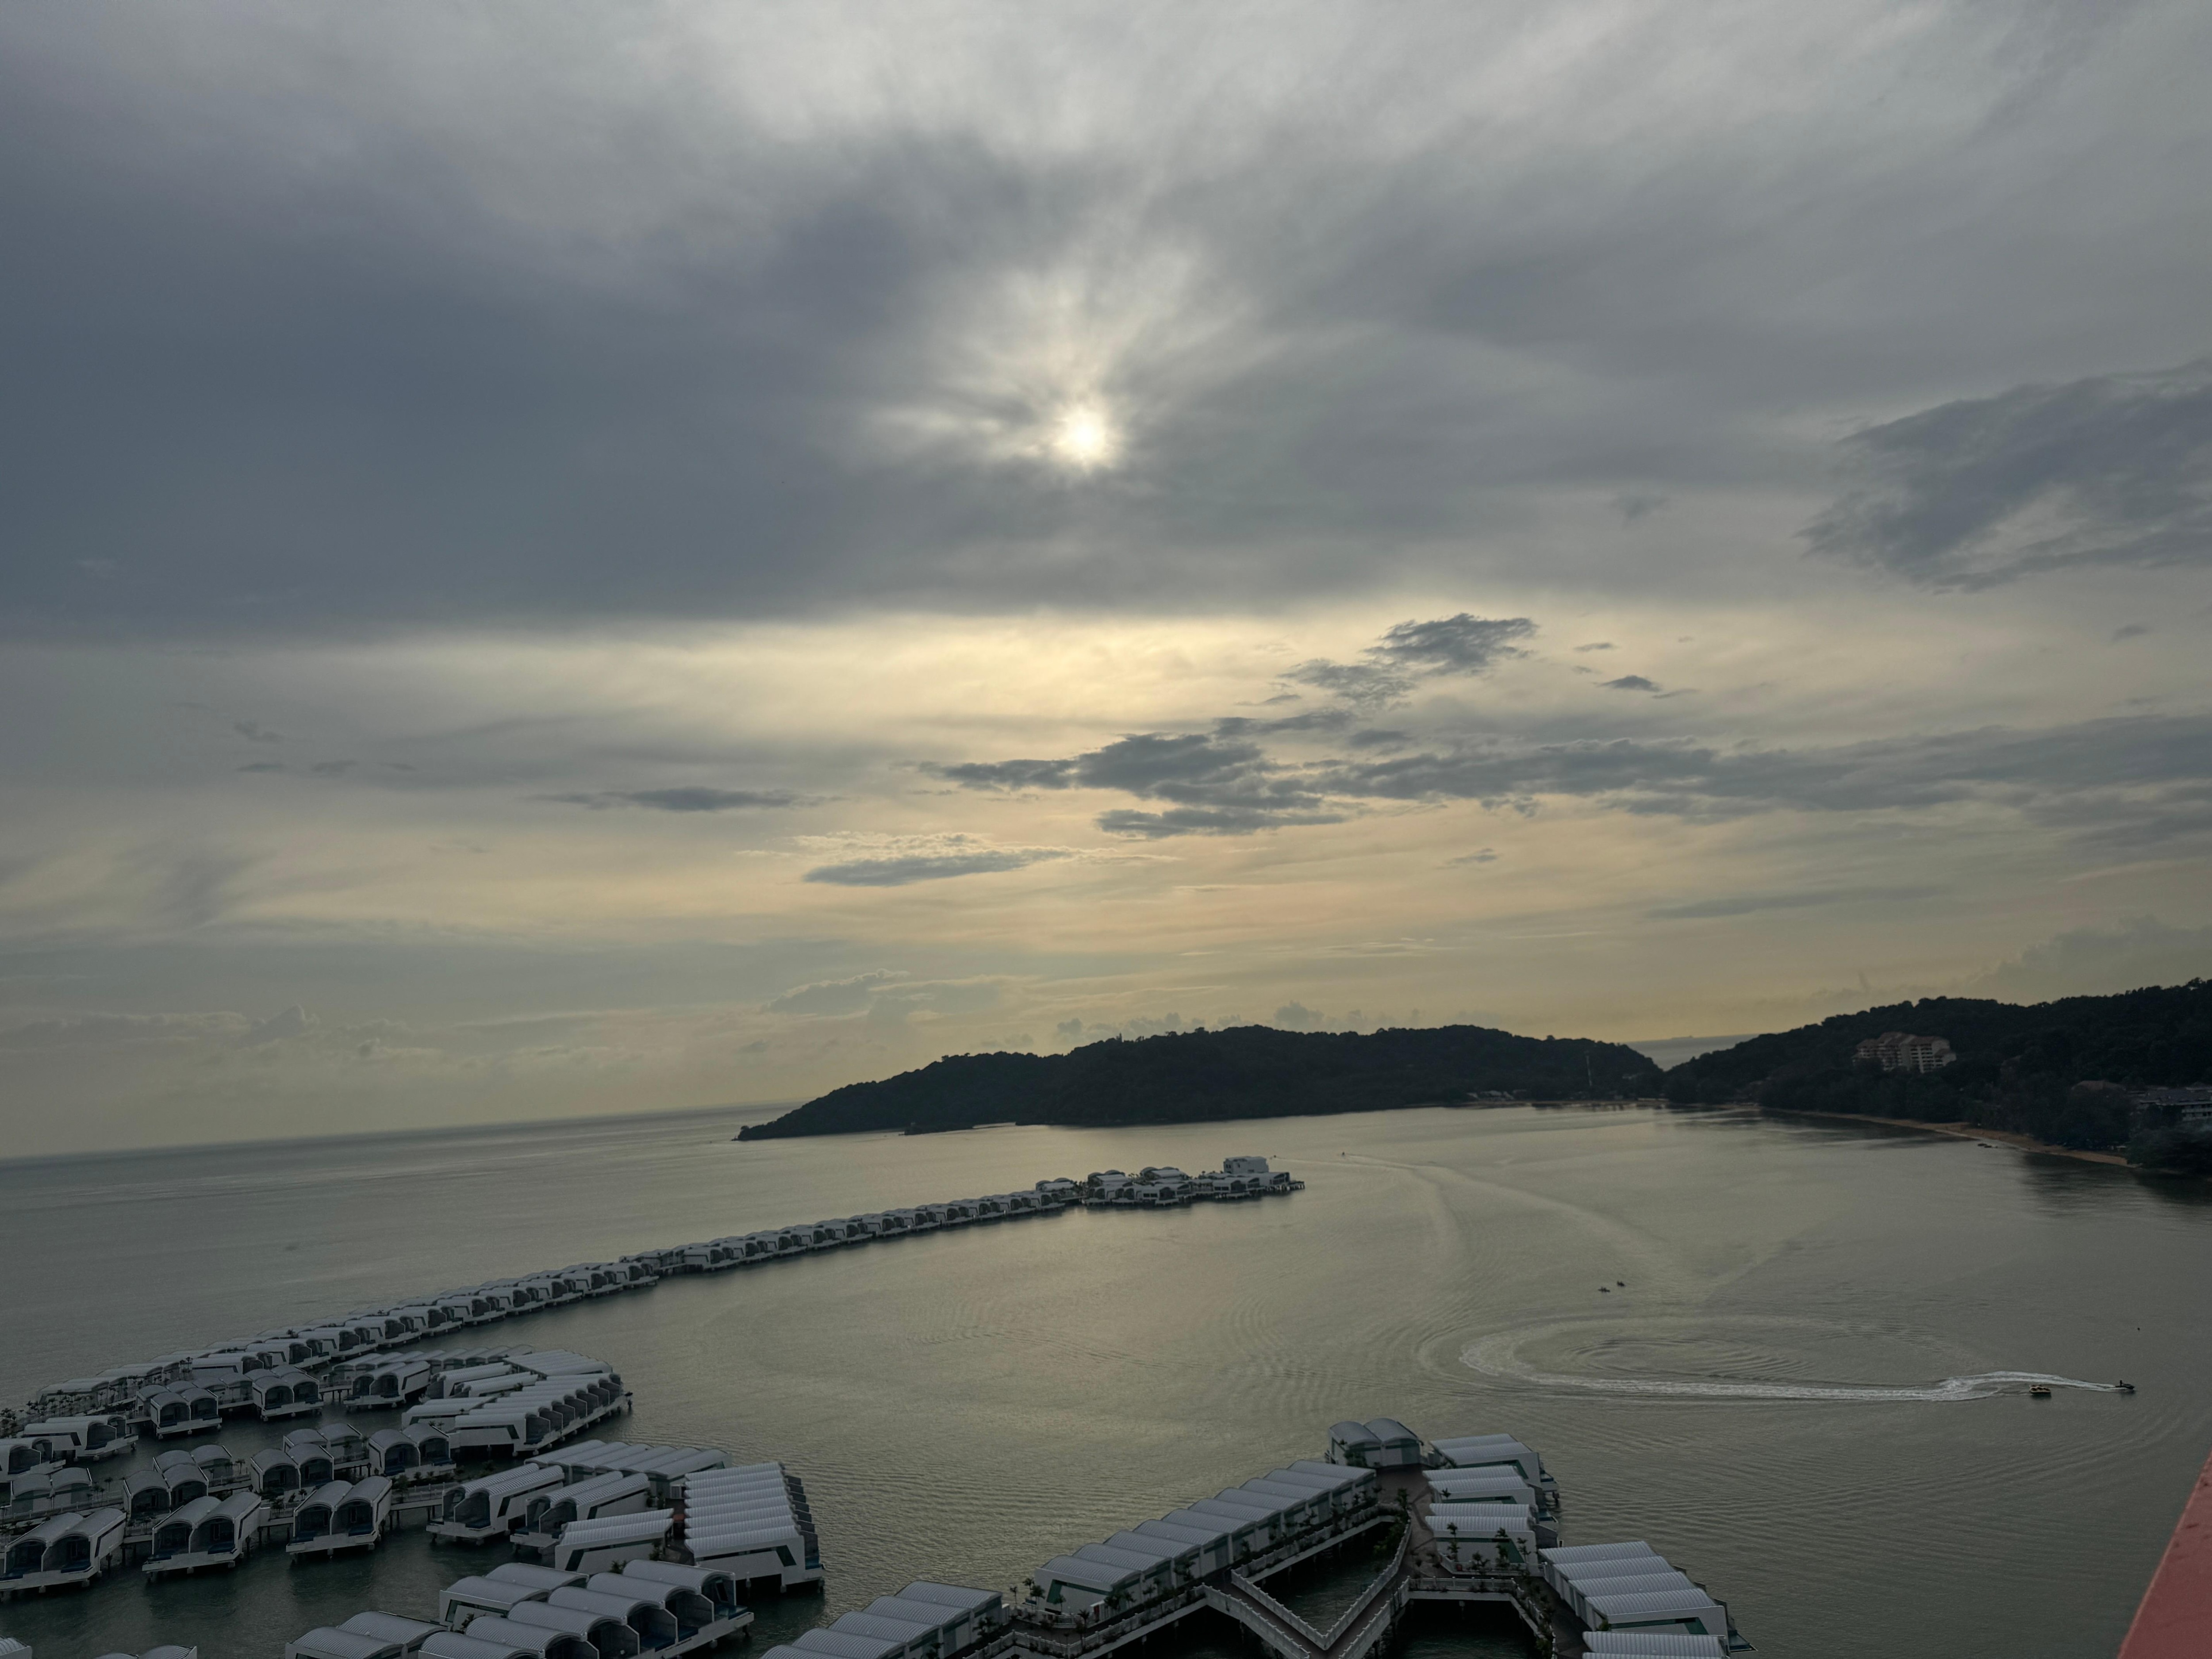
{"points": [[1420, 1568], [1415, 1572]]}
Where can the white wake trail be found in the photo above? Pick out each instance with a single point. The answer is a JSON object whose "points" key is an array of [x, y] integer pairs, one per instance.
{"points": [[1497, 1356]]}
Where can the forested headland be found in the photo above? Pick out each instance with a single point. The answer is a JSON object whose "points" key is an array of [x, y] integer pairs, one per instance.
{"points": [[1244, 1072], [2064, 1072]]}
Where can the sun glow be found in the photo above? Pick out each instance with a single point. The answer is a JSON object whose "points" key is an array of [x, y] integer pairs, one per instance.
{"points": [[1083, 437]]}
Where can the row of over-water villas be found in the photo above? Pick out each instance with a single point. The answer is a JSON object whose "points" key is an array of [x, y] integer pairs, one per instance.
{"points": [[518, 1610], [188, 1392], [1490, 1502], [1240, 1177], [189, 1501], [1634, 1600], [772, 1243], [526, 1401], [1160, 1184], [601, 1506], [925, 1620], [519, 1504], [311, 1458], [271, 1374], [752, 1521], [1304, 1503]]}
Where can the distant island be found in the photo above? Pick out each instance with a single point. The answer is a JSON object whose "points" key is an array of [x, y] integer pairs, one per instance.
{"points": [[1244, 1072], [2108, 1073]]}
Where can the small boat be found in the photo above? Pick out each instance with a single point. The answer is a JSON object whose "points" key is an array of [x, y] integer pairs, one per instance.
{"points": [[2039, 1391], [2125, 1388]]}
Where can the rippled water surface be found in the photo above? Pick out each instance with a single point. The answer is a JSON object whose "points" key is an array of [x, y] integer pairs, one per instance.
{"points": [[1793, 1357]]}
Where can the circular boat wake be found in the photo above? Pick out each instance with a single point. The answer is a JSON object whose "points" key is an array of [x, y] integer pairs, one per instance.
{"points": [[1499, 1356]]}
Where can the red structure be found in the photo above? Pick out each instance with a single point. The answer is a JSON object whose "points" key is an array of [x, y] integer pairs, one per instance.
{"points": [[2175, 1618]]}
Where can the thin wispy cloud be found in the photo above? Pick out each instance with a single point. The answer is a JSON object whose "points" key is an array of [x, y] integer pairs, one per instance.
{"points": [[903, 869], [2112, 471], [686, 798]]}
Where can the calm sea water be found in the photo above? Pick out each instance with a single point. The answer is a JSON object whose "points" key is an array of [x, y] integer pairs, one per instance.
{"points": [[1765, 1400]]}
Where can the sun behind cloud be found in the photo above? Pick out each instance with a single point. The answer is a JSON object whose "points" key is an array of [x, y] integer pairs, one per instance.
{"points": [[1083, 437]]}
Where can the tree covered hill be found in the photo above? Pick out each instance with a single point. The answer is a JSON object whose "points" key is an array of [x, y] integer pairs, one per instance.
{"points": [[1246, 1072], [2034, 1069]]}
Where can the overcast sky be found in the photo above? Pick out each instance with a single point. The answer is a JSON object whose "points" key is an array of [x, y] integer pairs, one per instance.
{"points": [[566, 557]]}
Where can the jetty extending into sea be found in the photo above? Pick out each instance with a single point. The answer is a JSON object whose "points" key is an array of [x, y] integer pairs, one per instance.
{"points": [[63, 1525], [291, 1369]]}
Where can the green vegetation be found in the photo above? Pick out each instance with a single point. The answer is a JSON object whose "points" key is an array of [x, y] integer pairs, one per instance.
{"points": [[1247, 1072], [2060, 1071]]}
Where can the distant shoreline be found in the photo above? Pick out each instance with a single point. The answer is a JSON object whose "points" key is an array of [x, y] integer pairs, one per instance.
{"points": [[1960, 1132]]}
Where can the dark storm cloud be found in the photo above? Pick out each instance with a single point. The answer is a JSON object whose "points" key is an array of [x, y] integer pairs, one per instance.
{"points": [[1629, 683], [2116, 469], [682, 799], [900, 870]]}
